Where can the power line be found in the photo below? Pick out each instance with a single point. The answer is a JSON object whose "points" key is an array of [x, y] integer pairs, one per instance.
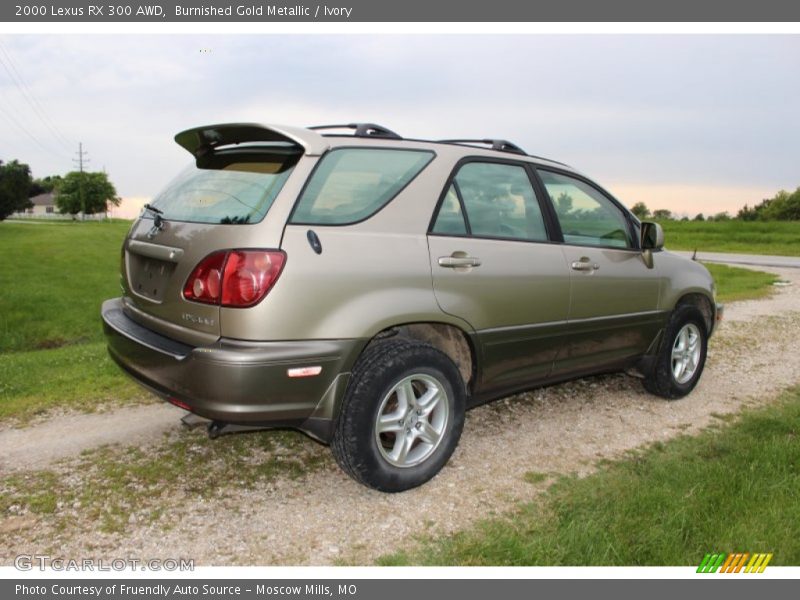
{"points": [[10, 118], [27, 93]]}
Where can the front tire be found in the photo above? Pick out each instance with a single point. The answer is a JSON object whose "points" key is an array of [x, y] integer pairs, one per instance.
{"points": [[682, 355], [401, 417]]}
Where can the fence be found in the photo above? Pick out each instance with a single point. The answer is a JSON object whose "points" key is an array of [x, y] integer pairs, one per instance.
{"points": [[25, 216]]}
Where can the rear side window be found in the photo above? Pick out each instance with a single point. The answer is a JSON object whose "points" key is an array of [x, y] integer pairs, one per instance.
{"points": [[231, 189], [352, 184]]}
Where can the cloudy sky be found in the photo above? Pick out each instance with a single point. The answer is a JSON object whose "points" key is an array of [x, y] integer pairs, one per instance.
{"points": [[686, 122]]}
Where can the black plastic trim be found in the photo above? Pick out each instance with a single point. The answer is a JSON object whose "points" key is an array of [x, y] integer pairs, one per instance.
{"points": [[116, 319], [464, 214], [495, 144], [372, 130]]}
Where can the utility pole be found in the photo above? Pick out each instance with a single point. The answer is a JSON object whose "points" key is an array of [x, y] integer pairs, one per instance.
{"points": [[79, 162]]}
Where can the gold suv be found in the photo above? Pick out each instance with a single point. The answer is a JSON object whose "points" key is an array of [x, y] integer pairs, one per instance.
{"points": [[368, 289]]}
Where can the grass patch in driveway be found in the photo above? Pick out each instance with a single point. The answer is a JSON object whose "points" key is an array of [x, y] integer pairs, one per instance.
{"points": [[735, 283], [732, 488], [112, 488]]}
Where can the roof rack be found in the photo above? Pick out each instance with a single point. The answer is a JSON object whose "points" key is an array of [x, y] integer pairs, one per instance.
{"points": [[364, 130], [499, 145]]}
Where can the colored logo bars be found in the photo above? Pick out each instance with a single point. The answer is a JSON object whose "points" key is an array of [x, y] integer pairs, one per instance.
{"points": [[734, 563]]}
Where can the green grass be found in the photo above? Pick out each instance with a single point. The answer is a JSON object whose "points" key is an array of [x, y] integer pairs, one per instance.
{"points": [[734, 487], [734, 283], [79, 377], [104, 487], [746, 237], [53, 278]]}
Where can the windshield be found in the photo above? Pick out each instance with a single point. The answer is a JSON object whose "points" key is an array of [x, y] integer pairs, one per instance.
{"points": [[230, 189]]}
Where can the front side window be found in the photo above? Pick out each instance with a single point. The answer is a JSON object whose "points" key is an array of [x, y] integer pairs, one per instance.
{"points": [[230, 188], [352, 184], [587, 217], [498, 200]]}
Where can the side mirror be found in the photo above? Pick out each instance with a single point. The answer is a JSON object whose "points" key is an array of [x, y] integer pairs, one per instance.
{"points": [[652, 236]]}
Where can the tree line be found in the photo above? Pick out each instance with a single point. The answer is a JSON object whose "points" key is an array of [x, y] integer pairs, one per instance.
{"points": [[784, 206], [76, 192]]}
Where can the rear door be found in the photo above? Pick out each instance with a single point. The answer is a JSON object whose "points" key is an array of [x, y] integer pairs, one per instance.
{"points": [[614, 312], [494, 266]]}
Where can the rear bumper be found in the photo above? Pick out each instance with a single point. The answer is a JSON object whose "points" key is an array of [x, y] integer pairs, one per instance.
{"points": [[232, 381]]}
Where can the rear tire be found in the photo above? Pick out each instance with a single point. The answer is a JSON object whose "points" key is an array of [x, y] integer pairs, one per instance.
{"points": [[401, 417], [682, 355]]}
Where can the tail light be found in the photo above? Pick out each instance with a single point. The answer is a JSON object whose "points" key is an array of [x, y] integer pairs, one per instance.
{"points": [[205, 282], [234, 278]]}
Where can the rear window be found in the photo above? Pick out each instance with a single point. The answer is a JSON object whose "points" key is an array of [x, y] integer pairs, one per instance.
{"points": [[231, 188], [352, 184]]}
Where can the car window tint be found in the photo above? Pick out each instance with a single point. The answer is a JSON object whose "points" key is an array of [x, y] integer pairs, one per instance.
{"points": [[236, 188], [352, 184], [587, 217], [500, 202], [450, 220]]}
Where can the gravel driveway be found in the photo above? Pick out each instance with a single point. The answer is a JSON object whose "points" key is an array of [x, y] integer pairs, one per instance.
{"points": [[325, 517]]}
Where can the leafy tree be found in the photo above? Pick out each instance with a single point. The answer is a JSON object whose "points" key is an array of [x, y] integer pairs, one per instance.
{"points": [[784, 206], [699, 217], [44, 185], [791, 210], [86, 193], [15, 183], [747, 214], [721, 216], [563, 203], [640, 210], [662, 214]]}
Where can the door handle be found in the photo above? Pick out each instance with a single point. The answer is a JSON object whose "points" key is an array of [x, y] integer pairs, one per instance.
{"points": [[584, 264], [455, 262]]}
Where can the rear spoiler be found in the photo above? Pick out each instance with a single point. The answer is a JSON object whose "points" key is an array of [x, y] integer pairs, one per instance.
{"points": [[202, 140]]}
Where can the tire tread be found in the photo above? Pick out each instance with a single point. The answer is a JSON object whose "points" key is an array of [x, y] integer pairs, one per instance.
{"points": [[366, 375]]}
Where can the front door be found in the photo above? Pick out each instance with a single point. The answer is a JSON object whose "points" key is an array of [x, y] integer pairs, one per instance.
{"points": [[614, 313]]}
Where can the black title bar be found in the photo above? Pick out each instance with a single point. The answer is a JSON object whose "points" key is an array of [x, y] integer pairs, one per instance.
{"points": [[465, 11]]}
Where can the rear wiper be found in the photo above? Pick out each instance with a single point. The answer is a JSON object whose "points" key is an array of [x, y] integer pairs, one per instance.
{"points": [[158, 220], [153, 209]]}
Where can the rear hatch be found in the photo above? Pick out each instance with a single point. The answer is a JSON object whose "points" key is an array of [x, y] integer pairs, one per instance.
{"points": [[218, 203]]}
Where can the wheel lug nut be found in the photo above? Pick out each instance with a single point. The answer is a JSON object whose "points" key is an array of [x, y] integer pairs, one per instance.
{"points": [[418, 425]]}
